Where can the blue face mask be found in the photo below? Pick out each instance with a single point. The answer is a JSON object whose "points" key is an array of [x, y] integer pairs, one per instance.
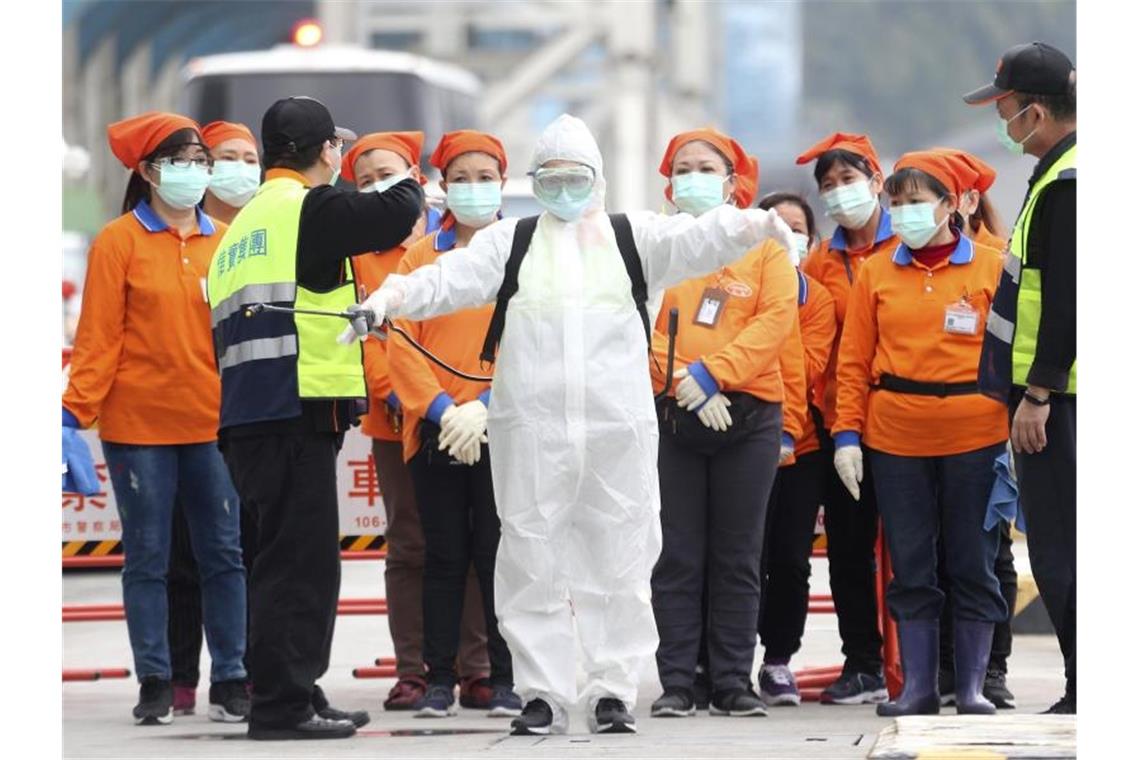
{"points": [[1007, 142], [562, 204], [474, 204], [696, 192], [914, 224], [235, 182], [182, 187]]}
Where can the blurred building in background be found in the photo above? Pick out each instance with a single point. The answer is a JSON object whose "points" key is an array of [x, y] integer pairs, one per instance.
{"points": [[776, 74]]}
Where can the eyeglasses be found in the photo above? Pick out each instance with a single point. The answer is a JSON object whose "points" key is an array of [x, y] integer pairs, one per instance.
{"points": [[576, 181], [179, 162]]}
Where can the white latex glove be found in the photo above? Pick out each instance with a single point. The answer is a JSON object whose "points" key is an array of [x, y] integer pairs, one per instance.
{"points": [[380, 303], [786, 453], [714, 414], [462, 428], [770, 225], [849, 465], [689, 394], [472, 454]]}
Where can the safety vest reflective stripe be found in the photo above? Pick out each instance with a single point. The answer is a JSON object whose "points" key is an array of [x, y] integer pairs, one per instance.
{"points": [[250, 294], [999, 327], [1012, 267], [258, 348]]}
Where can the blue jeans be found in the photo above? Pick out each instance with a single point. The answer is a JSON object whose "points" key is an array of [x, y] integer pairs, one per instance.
{"points": [[146, 480], [921, 498]]}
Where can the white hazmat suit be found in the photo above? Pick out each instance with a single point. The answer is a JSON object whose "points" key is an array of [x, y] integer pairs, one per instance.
{"points": [[572, 426]]}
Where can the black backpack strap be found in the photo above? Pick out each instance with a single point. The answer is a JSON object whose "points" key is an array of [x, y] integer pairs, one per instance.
{"points": [[624, 234], [524, 231]]}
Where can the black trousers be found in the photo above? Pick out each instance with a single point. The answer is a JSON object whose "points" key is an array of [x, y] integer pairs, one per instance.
{"points": [[460, 527], [786, 567], [1003, 631], [713, 510], [184, 596], [852, 528], [289, 481], [1047, 483]]}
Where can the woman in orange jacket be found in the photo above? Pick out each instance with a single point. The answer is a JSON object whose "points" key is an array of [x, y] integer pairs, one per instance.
{"points": [[907, 373], [143, 368], [376, 162], [720, 437], [798, 491], [850, 180], [983, 225], [234, 177], [453, 480]]}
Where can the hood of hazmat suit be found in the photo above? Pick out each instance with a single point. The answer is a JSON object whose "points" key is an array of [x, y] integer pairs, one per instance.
{"points": [[571, 424]]}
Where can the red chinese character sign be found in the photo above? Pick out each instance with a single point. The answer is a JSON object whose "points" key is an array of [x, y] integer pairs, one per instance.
{"points": [[95, 517], [361, 502]]}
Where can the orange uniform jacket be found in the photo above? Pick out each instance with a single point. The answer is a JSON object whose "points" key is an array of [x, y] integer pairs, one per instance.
{"points": [[371, 270], [455, 338], [743, 351], [836, 267], [143, 363], [795, 410], [817, 330], [895, 324], [984, 237]]}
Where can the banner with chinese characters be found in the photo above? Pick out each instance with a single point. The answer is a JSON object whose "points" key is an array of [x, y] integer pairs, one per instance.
{"points": [[92, 518], [95, 518]]}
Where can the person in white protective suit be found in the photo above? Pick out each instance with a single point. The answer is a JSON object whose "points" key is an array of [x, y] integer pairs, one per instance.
{"points": [[571, 424]]}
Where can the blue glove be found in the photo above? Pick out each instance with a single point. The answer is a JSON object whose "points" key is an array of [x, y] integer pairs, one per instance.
{"points": [[79, 476], [393, 402], [1004, 504]]}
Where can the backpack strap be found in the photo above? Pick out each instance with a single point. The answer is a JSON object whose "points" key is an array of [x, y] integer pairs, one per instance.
{"points": [[524, 231], [623, 232]]}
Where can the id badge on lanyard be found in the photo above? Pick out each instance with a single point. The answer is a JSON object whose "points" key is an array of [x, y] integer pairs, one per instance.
{"points": [[961, 319], [711, 307]]}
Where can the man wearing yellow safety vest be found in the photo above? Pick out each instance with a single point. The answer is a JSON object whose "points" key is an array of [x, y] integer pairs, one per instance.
{"points": [[1029, 356], [289, 391]]}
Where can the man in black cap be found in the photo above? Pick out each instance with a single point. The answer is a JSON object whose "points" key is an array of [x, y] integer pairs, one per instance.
{"points": [[289, 391], [1029, 355]]}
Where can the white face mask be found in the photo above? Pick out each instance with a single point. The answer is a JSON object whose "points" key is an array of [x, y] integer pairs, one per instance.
{"points": [[381, 185], [802, 243], [235, 182], [852, 205]]}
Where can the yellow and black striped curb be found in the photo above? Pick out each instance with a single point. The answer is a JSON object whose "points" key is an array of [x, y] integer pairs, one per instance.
{"points": [[92, 548], [111, 547]]}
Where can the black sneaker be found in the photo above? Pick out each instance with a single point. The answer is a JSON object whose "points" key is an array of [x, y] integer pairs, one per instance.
{"points": [[611, 717], [676, 702], [852, 688], [156, 702], [536, 718], [995, 690], [737, 703], [946, 687], [315, 727], [324, 710], [229, 702], [1066, 705]]}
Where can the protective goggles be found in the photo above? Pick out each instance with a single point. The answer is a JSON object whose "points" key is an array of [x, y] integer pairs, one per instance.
{"points": [[576, 181]]}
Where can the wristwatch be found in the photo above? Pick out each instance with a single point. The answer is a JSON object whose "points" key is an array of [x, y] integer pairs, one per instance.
{"points": [[1034, 400]]}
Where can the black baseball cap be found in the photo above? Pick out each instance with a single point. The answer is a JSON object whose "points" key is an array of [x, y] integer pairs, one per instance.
{"points": [[299, 122], [1034, 68]]}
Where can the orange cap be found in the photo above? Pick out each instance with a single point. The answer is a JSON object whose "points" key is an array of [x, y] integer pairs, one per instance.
{"points": [[986, 173], [135, 138], [955, 174], [745, 167], [408, 145], [857, 144], [461, 141], [217, 132]]}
